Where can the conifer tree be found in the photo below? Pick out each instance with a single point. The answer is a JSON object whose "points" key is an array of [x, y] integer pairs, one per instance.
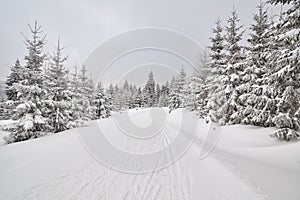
{"points": [[149, 90], [102, 103], [76, 97], [15, 76], [250, 100], [174, 101], [285, 75], [217, 77], [126, 94], [199, 86], [181, 87], [158, 94], [110, 95], [173, 84], [30, 111], [164, 95], [117, 101], [59, 96], [234, 66], [138, 101], [179, 90]]}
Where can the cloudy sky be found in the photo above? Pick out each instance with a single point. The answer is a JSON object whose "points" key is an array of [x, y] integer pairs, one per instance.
{"points": [[84, 24]]}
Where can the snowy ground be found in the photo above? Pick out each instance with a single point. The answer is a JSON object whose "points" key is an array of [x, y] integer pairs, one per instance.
{"points": [[245, 164]]}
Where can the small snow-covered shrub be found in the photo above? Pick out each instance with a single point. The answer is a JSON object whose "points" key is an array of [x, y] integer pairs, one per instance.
{"points": [[283, 120], [285, 134], [77, 123], [19, 136]]}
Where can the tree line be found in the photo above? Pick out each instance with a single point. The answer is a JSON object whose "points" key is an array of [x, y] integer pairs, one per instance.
{"points": [[43, 96], [257, 84]]}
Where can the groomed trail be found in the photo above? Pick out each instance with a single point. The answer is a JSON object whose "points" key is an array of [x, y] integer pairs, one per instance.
{"points": [[245, 163]]}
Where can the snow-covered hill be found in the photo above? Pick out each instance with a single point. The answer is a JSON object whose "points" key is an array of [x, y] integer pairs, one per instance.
{"points": [[245, 164]]}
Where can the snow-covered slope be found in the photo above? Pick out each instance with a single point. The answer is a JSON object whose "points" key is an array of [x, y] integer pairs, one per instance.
{"points": [[245, 164]]}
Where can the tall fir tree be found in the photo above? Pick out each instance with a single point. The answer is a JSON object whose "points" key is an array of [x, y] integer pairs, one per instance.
{"points": [[285, 74], [117, 101], [199, 87], [234, 66], [126, 96], [178, 91], [76, 97], [59, 97], [102, 103], [138, 100], [110, 95], [217, 76], [31, 94], [250, 101], [158, 94], [16, 75], [86, 92], [164, 95], [149, 91], [181, 87]]}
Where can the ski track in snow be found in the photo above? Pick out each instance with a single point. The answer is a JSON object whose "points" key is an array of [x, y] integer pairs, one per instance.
{"points": [[218, 177], [94, 181]]}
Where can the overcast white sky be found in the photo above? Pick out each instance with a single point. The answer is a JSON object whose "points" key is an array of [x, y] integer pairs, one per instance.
{"points": [[85, 24]]}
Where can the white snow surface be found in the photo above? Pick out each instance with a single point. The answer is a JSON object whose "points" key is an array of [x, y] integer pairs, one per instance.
{"points": [[245, 164]]}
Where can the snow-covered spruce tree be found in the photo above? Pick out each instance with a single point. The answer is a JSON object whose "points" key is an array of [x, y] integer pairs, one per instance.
{"points": [[174, 101], [234, 67], [15, 76], [172, 86], [138, 100], [102, 103], [178, 91], [117, 98], [84, 98], [251, 102], [130, 99], [217, 77], [164, 95], [31, 94], [199, 87], [110, 92], [158, 94], [181, 87], [59, 101], [149, 91], [194, 86], [126, 96], [74, 84], [258, 49], [92, 108], [133, 96], [110, 96], [117, 102], [286, 72]]}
